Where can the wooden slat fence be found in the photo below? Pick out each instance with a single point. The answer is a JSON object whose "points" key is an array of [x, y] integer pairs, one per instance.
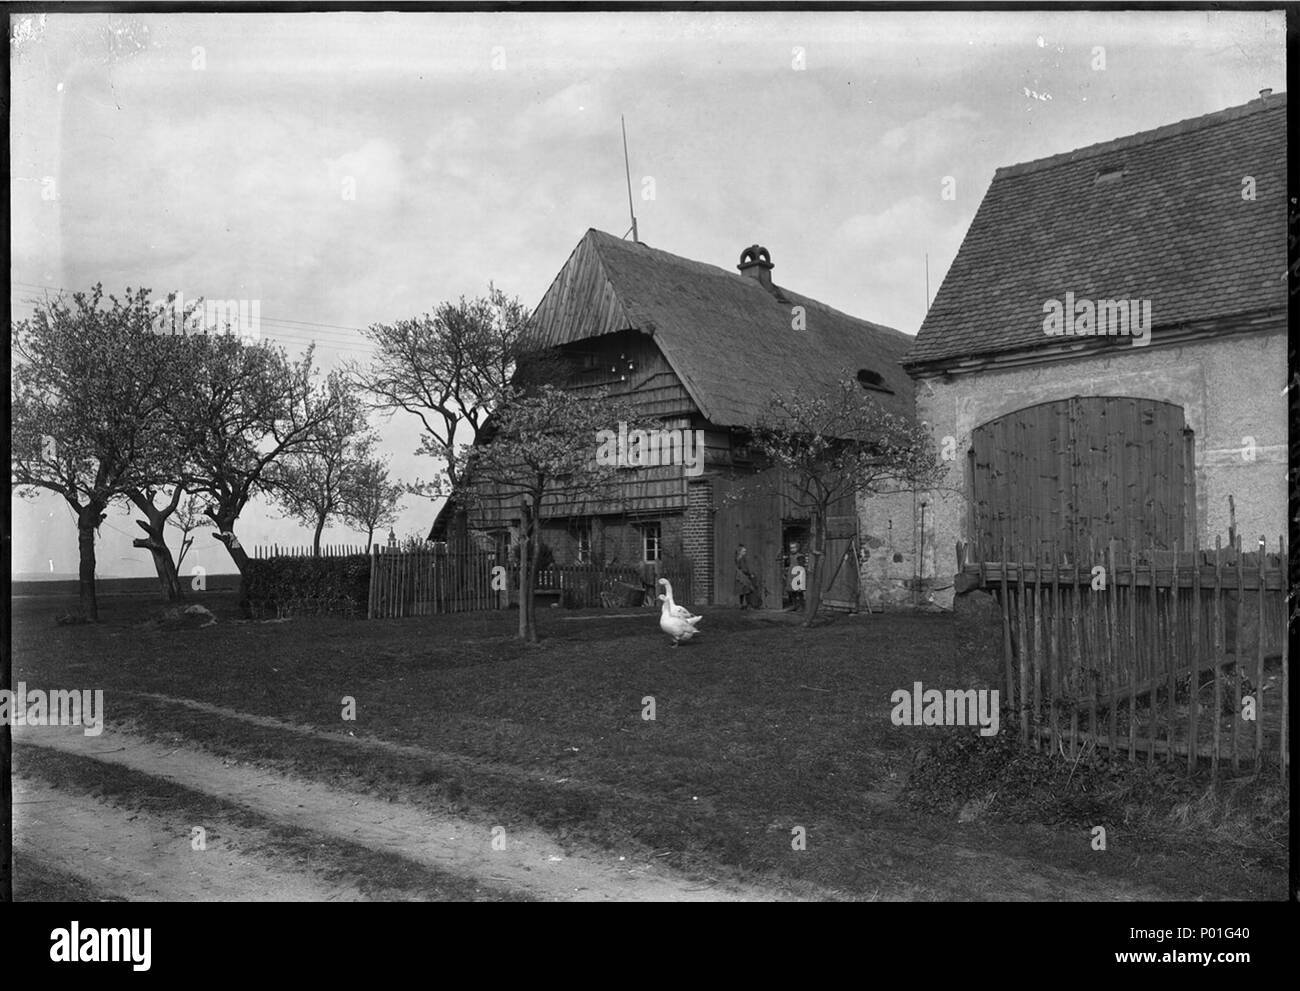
{"points": [[263, 551], [1147, 653], [435, 581]]}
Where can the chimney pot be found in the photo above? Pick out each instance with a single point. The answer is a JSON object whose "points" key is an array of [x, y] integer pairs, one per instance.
{"points": [[756, 262], [1264, 94]]}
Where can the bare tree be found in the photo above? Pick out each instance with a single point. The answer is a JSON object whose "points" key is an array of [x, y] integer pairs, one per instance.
{"points": [[449, 369], [369, 500], [312, 480]]}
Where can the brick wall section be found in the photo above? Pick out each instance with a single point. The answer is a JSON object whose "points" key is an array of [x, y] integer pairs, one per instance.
{"points": [[697, 538]]}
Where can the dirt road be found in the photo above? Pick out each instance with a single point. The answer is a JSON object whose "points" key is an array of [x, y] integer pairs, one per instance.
{"points": [[135, 854]]}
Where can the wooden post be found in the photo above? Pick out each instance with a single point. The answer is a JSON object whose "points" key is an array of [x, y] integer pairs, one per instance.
{"points": [[1218, 654], [1076, 646], [1132, 650], [1237, 666], [1172, 661], [1283, 699], [1038, 646], [1259, 665], [1006, 629], [1197, 655], [1023, 692], [1112, 648], [1154, 640], [1054, 658], [1091, 645]]}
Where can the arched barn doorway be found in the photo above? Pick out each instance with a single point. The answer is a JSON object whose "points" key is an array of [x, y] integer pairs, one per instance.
{"points": [[1088, 467]]}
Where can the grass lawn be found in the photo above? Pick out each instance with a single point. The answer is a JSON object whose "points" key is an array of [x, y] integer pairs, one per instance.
{"points": [[760, 727]]}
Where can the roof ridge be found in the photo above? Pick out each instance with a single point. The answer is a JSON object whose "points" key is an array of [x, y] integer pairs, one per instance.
{"points": [[743, 280], [1276, 101]]}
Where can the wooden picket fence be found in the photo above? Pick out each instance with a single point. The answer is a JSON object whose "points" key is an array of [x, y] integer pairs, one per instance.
{"points": [[434, 581], [1152, 655], [431, 581], [326, 550]]}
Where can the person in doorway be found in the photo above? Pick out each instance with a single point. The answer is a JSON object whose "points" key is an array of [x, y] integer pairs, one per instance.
{"points": [[796, 575], [745, 583]]}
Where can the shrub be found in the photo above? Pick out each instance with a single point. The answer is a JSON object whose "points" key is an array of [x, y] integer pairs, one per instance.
{"points": [[289, 586]]}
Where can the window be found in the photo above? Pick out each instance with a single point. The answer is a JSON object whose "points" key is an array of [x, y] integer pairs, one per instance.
{"points": [[583, 538], [873, 381], [650, 542]]}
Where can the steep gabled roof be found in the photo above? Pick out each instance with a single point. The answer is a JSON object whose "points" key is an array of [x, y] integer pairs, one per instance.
{"points": [[1158, 215], [728, 338]]}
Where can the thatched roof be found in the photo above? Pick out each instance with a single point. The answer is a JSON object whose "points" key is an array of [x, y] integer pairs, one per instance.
{"points": [[727, 337], [1158, 215]]}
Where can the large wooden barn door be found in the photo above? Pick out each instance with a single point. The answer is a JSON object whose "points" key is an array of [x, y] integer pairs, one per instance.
{"points": [[1089, 467], [754, 521]]}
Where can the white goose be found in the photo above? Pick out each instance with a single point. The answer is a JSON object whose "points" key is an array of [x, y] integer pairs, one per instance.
{"points": [[676, 620]]}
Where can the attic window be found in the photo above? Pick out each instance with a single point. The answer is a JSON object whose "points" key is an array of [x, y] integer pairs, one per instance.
{"points": [[873, 381], [1108, 175]]}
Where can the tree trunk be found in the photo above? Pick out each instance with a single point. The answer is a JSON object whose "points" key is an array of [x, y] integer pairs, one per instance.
{"points": [[154, 525], [370, 539], [817, 546], [89, 517], [535, 548], [225, 523], [525, 577], [315, 544]]}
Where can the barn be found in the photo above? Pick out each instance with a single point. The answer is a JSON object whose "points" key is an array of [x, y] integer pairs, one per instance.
{"points": [[699, 348], [1107, 355]]}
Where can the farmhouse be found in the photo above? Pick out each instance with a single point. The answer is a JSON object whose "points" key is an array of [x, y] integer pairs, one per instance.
{"points": [[701, 350], [1055, 438]]}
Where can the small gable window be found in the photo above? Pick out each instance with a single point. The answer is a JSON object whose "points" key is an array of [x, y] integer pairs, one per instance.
{"points": [[873, 381]]}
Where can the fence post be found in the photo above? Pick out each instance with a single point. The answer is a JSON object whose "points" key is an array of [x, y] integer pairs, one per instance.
{"points": [[1218, 654], [1197, 659], [1171, 616], [1284, 699], [1259, 664]]}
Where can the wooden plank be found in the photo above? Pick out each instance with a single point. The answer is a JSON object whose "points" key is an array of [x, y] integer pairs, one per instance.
{"points": [[1284, 700], [1076, 645], [1153, 633], [1022, 698], [1172, 660], [1218, 655], [1092, 650], [1112, 647], [1197, 653], [1259, 664], [1132, 652], [1006, 630], [1238, 667], [1054, 656], [1038, 639]]}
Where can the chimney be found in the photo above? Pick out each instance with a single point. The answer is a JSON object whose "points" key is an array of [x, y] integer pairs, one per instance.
{"points": [[1264, 94], [756, 262]]}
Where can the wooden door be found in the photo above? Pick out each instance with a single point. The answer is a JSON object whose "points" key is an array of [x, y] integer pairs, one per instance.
{"points": [[755, 521], [1094, 467]]}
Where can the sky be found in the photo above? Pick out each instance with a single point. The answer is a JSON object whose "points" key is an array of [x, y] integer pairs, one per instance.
{"points": [[349, 168]]}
